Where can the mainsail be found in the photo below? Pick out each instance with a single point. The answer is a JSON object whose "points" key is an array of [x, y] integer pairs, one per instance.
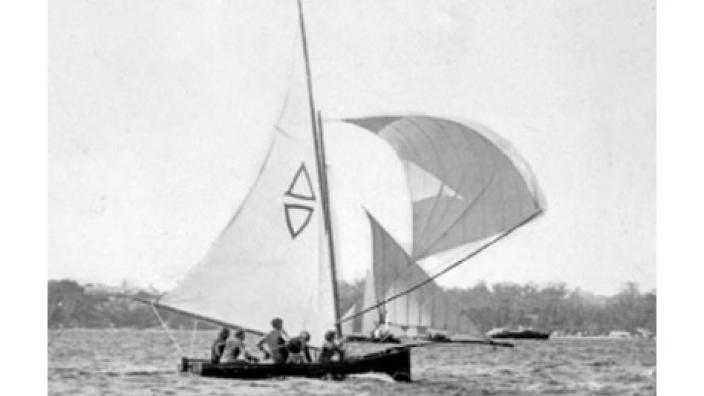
{"points": [[271, 260]]}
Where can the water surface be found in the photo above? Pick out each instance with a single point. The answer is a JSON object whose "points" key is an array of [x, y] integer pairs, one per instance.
{"points": [[143, 362]]}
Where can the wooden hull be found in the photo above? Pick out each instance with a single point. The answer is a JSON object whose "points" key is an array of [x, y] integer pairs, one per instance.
{"points": [[396, 362]]}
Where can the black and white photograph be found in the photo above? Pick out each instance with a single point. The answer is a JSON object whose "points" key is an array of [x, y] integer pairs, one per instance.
{"points": [[338, 197]]}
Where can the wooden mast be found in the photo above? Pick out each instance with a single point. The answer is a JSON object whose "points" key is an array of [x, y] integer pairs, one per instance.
{"points": [[322, 172]]}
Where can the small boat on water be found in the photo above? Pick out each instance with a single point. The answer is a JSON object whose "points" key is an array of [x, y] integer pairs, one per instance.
{"points": [[276, 256], [518, 334], [396, 362]]}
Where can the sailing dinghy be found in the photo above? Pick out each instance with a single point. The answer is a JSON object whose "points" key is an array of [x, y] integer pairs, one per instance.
{"points": [[276, 255]]}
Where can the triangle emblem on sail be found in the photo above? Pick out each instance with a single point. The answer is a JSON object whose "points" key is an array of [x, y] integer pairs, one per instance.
{"points": [[301, 186], [297, 218], [298, 215]]}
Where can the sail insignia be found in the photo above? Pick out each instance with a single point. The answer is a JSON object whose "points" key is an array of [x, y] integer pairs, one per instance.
{"points": [[297, 218], [298, 214], [300, 186]]}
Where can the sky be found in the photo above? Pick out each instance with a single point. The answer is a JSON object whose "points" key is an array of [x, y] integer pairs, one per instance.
{"points": [[159, 114]]}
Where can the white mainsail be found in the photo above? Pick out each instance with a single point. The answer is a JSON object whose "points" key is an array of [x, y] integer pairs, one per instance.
{"points": [[271, 259]]}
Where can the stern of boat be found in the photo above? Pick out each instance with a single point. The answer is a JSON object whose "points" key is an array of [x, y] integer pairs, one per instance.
{"points": [[398, 364], [190, 366]]}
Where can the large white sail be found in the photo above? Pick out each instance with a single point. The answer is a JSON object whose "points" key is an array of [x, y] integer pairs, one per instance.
{"points": [[467, 184], [271, 258], [468, 188]]}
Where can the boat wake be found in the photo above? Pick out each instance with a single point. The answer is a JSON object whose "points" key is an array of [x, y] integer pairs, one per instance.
{"points": [[146, 372], [373, 377]]}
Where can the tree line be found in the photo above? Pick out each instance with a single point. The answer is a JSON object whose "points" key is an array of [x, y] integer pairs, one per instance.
{"points": [[553, 307], [557, 308]]}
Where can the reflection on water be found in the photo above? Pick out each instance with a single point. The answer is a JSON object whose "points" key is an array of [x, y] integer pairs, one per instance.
{"points": [[134, 362]]}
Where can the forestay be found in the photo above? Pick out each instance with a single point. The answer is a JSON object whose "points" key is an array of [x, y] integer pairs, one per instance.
{"points": [[270, 260]]}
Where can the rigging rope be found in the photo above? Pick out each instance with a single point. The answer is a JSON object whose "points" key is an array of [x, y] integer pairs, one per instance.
{"points": [[453, 265], [163, 324]]}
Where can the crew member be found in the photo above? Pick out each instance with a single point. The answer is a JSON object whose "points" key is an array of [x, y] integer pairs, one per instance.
{"points": [[219, 345], [275, 342]]}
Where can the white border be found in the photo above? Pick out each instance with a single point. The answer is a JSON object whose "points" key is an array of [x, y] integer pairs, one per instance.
{"points": [[680, 224], [23, 202], [23, 72]]}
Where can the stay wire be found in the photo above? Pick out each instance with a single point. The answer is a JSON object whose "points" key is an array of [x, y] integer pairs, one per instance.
{"points": [[166, 328]]}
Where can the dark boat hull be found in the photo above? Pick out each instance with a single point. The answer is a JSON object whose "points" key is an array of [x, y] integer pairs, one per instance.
{"points": [[521, 334], [396, 362]]}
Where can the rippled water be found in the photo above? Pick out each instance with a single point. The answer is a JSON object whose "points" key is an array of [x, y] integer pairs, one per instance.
{"points": [[134, 362]]}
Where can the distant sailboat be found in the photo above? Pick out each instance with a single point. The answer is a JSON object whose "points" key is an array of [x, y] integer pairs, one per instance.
{"points": [[276, 256]]}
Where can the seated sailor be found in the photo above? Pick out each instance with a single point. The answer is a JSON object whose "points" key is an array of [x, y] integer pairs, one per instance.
{"points": [[298, 350], [235, 349], [331, 347], [381, 332], [275, 342], [219, 345]]}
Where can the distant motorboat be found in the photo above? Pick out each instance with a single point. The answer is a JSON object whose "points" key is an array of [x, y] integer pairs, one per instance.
{"points": [[520, 333], [620, 334]]}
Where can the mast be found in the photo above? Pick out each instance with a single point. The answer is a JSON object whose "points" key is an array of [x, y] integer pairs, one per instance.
{"points": [[322, 172]]}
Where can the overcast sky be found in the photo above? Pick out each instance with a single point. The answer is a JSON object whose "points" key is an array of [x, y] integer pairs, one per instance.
{"points": [[159, 113]]}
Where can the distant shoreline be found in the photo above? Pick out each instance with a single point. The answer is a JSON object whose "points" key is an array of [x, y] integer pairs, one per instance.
{"points": [[553, 308]]}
